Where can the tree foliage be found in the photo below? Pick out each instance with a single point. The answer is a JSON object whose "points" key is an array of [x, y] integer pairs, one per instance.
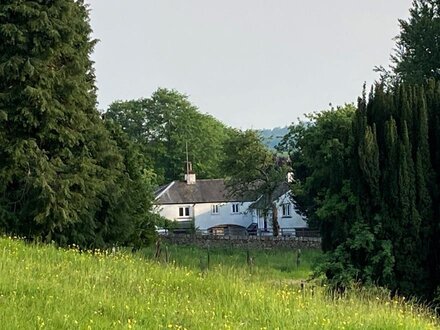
{"points": [[164, 125], [320, 154], [370, 179], [416, 57], [62, 175], [254, 171], [381, 223]]}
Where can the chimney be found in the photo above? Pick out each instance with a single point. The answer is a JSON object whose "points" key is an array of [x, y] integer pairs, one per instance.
{"points": [[190, 176]]}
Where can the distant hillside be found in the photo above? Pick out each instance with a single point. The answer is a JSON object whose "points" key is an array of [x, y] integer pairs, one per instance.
{"points": [[272, 137]]}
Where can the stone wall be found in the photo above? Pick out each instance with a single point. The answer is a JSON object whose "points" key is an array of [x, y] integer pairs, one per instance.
{"points": [[248, 242]]}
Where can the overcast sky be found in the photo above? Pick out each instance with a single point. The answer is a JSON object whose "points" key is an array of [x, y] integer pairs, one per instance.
{"points": [[249, 63]]}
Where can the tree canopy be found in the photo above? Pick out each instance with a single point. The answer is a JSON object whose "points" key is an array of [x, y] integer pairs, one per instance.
{"points": [[253, 170], [320, 156], [61, 172], [164, 125], [369, 179], [416, 57]]}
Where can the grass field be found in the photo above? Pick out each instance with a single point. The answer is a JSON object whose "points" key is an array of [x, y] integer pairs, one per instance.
{"points": [[42, 287], [266, 264]]}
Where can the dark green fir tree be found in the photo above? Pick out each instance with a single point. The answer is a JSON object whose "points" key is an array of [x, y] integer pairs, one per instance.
{"points": [[59, 167]]}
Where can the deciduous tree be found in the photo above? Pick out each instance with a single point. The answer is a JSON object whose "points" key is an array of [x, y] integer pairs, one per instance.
{"points": [[164, 125], [252, 170], [416, 57]]}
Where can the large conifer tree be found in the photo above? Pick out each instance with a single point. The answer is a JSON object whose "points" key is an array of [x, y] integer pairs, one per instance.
{"points": [[380, 223], [391, 238], [58, 165], [392, 177]]}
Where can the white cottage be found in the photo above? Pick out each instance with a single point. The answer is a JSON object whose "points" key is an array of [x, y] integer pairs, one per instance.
{"points": [[289, 220], [204, 205]]}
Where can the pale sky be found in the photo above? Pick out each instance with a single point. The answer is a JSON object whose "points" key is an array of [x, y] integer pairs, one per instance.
{"points": [[249, 63]]}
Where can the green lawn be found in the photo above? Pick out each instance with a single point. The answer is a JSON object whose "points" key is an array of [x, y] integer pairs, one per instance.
{"points": [[49, 288]]}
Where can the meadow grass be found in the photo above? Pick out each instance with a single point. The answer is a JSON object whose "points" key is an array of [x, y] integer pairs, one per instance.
{"points": [[49, 288], [274, 264]]}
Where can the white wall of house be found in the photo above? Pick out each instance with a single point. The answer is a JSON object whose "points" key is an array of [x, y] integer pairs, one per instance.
{"points": [[208, 215], [288, 218], [171, 211]]}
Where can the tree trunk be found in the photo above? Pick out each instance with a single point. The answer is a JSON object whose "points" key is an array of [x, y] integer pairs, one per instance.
{"points": [[275, 224]]}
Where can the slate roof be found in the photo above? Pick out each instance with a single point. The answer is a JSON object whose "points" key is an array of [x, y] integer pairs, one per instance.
{"points": [[279, 191], [203, 191]]}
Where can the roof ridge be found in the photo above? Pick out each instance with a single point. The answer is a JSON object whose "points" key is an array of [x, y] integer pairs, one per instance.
{"points": [[165, 190], [183, 181]]}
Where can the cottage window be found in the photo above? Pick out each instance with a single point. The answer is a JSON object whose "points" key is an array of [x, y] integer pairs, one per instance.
{"points": [[286, 210], [184, 211], [214, 209], [235, 208]]}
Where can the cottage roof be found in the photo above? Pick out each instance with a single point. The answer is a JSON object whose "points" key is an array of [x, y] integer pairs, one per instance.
{"points": [[278, 192], [202, 191]]}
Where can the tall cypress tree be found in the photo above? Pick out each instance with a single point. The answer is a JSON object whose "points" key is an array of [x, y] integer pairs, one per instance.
{"points": [[409, 256], [433, 243], [368, 155], [423, 169], [390, 195], [392, 237], [407, 122]]}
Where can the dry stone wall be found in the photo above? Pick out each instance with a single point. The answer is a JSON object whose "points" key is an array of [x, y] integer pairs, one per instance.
{"points": [[248, 242]]}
